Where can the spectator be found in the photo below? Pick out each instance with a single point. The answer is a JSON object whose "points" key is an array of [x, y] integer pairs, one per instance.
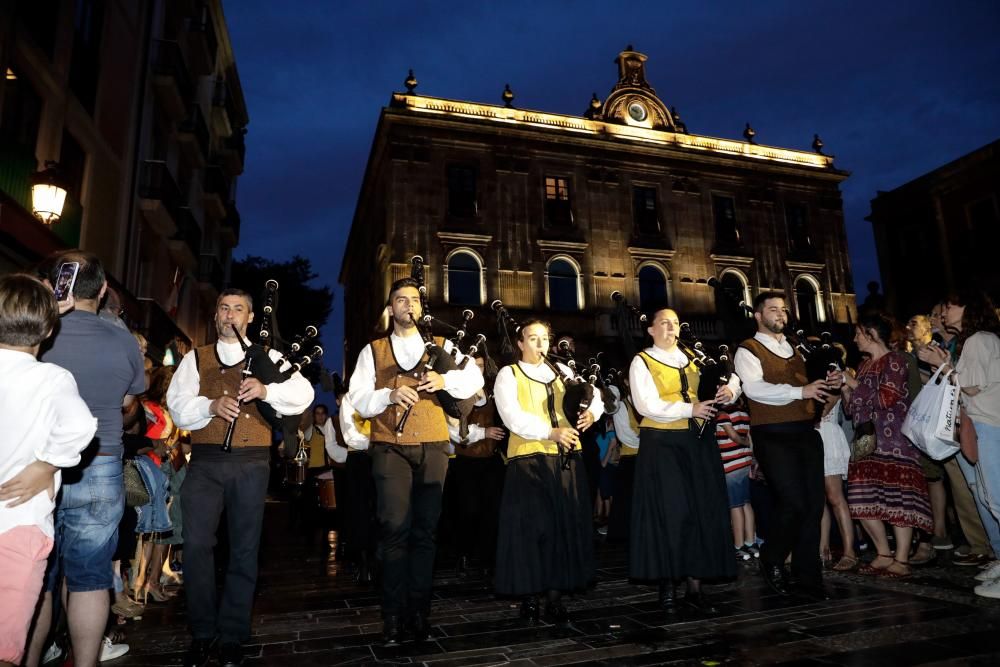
{"points": [[107, 365], [46, 426]]}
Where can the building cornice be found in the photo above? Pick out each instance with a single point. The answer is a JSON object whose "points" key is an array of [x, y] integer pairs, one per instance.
{"points": [[641, 253], [562, 246], [457, 238], [805, 266], [575, 125], [739, 261]]}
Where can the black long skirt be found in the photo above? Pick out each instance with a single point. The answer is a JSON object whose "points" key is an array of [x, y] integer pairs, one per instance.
{"points": [[680, 509], [545, 541], [620, 520]]}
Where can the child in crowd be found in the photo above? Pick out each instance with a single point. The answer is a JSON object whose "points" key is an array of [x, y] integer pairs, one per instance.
{"points": [[732, 432], [46, 427]]}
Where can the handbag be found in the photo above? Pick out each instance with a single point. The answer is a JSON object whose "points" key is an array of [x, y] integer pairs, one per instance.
{"points": [[864, 442], [136, 493], [921, 423]]}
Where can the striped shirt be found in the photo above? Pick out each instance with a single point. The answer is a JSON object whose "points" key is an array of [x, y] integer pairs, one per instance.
{"points": [[734, 455]]}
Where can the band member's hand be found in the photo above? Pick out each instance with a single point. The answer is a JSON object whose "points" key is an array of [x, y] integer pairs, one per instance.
{"points": [[495, 433], [585, 420], [704, 409], [816, 390], [25, 485], [724, 396], [404, 396], [251, 389], [431, 381], [568, 437], [67, 304], [225, 407], [933, 355]]}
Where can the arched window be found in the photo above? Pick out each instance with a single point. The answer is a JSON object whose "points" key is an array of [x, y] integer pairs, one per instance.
{"points": [[563, 285], [652, 288], [808, 301], [465, 279], [734, 286]]}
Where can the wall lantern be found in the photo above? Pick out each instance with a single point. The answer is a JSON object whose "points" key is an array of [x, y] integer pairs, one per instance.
{"points": [[48, 194]]}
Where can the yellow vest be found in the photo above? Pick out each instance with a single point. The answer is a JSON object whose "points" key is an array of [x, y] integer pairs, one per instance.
{"points": [[363, 425], [533, 398], [673, 385], [633, 424], [317, 448]]}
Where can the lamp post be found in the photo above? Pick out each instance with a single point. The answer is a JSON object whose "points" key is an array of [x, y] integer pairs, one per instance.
{"points": [[48, 194]]}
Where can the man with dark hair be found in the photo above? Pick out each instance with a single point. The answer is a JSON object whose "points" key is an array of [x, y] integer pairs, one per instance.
{"points": [[409, 464], [787, 445], [206, 395], [108, 368]]}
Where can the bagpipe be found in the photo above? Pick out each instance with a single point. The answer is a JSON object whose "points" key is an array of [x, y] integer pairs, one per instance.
{"points": [[819, 352], [260, 365], [438, 359]]}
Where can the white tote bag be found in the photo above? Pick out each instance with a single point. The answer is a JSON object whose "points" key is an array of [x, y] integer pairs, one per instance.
{"points": [[930, 410]]}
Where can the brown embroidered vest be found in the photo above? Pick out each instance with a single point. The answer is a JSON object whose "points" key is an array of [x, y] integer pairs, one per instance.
{"points": [[778, 370], [484, 416], [427, 422], [218, 380]]}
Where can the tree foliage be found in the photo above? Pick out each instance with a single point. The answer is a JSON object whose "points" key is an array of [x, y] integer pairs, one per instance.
{"points": [[299, 304]]}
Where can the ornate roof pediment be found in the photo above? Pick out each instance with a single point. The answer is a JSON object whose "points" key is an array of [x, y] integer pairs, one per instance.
{"points": [[633, 101]]}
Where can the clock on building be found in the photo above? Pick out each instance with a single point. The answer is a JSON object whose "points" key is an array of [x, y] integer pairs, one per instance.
{"points": [[637, 111]]}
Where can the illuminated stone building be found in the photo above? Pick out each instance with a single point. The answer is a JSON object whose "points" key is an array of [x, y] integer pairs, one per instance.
{"points": [[139, 104], [940, 232], [552, 213]]}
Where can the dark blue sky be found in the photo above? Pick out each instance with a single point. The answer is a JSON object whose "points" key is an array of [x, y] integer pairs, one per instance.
{"points": [[894, 90]]}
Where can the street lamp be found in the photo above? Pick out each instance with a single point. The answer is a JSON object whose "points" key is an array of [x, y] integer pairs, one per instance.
{"points": [[48, 194]]}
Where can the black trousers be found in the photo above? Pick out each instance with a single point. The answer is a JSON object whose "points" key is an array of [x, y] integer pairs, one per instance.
{"points": [[409, 480], [237, 483], [478, 487], [792, 462], [358, 518]]}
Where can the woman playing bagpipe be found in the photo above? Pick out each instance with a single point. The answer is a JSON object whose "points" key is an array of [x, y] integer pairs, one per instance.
{"points": [[680, 510], [545, 541]]}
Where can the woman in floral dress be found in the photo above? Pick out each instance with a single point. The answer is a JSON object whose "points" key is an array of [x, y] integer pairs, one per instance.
{"points": [[889, 485]]}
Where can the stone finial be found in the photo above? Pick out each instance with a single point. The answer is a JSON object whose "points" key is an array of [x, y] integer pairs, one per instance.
{"points": [[410, 83], [817, 144], [508, 96], [595, 103], [749, 133], [678, 123]]}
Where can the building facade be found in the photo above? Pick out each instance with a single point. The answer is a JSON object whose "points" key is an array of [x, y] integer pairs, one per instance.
{"points": [[139, 104], [552, 213], [940, 232]]}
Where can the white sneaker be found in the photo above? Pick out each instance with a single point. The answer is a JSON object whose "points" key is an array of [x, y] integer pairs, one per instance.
{"points": [[990, 589], [53, 652], [111, 651], [990, 572]]}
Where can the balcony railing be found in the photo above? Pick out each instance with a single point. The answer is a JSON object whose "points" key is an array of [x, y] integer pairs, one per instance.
{"points": [[187, 239], [171, 77], [233, 153], [231, 224], [222, 119], [201, 40], [194, 130], [159, 189], [210, 271], [216, 182]]}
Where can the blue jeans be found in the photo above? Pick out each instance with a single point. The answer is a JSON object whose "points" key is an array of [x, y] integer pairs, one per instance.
{"points": [[90, 506], [738, 487], [987, 474]]}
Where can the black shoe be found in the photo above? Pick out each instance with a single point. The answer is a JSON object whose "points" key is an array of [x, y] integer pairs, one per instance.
{"points": [[420, 629], [199, 652], [700, 603], [530, 610], [230, 655], [556, 614], [774, 576], [392, 631], [667, 599]]}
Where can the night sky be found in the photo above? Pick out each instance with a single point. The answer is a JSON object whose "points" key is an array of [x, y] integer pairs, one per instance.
{"points": [[893, 89]]}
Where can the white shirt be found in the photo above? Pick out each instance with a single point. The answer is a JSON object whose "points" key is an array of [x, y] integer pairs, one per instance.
{"points": [[752, 373], [645, 395], [354, 438], [334, 449], [623, 429], [476, 432], [190, 411], [371, 402], [44, 419], [525, 424]]}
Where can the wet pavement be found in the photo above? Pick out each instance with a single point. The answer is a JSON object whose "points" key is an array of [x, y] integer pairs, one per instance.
{"points": [[309, 611]]}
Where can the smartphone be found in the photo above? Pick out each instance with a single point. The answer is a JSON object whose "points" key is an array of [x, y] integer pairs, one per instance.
{"points": [[66, 280]]}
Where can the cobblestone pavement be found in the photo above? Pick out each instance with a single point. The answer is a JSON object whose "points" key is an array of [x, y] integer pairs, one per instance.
{"points": [[310, 612]]}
